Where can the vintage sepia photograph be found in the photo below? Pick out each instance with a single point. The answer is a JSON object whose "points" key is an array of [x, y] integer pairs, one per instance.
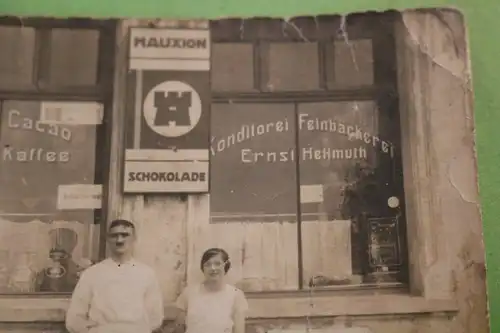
{"points": [[239, 175]]}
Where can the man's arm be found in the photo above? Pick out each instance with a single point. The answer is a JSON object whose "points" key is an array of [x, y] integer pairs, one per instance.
{"points": [[239, 312], [77, 316], [154, 304]]}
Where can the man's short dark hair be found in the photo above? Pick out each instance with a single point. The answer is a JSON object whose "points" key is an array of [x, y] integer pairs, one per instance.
{"points": [[121, 223]]}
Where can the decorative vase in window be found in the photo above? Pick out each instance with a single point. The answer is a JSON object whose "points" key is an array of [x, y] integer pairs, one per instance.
{"points": [[61, 275]]}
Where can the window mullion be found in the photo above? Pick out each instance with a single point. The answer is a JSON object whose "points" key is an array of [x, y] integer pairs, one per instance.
{"points": [[323, 80], [106, 58], [300, 259], [260, 64], [42, 57]]}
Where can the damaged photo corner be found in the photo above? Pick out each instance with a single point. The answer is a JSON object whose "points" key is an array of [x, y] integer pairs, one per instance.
{"points": [[309, 174]]}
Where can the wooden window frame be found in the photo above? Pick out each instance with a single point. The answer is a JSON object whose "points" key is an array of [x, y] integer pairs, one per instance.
{"points": [[101, 92], [383, 91], [38, 88]]}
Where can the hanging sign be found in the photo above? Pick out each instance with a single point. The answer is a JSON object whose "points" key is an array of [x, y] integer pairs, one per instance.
{"points": [[168, 107]]}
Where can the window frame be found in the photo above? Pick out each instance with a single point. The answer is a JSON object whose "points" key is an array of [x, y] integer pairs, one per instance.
{"points": [[385, 84], [101, 92], [39, 89]]}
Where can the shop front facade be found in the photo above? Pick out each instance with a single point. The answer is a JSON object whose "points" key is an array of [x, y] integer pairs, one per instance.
{"points": [[333, 158]]}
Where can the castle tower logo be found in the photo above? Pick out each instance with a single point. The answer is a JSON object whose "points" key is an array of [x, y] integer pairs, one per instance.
{"points": [[172, 108]]}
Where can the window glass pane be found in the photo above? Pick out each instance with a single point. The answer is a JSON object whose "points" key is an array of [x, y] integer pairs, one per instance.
{"points": [[253, 173], [290, 67], [345, 187], [253, 194], [17, 56], [74, 57], [45, 240], [349, 65], [232, 67]]}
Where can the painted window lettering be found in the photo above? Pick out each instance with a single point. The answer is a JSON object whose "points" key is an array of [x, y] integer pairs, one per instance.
{"points": [[306, 124], [252, 156], [17, 121], [34, 155]]}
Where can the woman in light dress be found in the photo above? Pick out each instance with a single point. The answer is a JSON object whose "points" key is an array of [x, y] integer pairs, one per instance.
{"points": [[212, 306]]}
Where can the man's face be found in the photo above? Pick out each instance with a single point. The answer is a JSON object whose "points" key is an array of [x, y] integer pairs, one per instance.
{"points": [[121, 239]]}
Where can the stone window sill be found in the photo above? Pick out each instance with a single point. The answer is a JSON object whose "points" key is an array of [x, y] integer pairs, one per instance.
{"points": [[359, 305], [54, 309]]}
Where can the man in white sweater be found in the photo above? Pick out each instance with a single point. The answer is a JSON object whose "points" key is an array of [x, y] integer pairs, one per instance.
{"points": [[119, 294]]}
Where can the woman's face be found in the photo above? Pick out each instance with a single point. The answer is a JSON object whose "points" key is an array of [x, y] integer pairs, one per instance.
{"points": [[213, 268]]}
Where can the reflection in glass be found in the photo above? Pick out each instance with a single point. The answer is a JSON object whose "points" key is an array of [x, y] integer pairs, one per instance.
{"points": [[253, 195], [349, 64], [284, 68], [340, 147], [17, 56], [74, 57], [232, 67], [22, 273], [334, 137], [62, 273], [253, 174]]}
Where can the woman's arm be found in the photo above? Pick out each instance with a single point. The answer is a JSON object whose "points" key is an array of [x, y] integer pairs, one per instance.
{"points": [[179, 324], [239, 322], [239, 312]]}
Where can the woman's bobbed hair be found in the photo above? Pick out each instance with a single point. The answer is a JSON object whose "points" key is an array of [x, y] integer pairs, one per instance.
{"points": [[210, 253]]}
